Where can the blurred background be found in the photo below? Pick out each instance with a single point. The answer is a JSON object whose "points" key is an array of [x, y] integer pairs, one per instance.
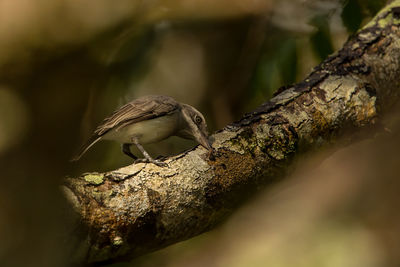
{"points": [[67, 64]]}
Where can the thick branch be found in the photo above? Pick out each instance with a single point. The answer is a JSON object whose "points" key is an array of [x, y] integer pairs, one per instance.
{"points": [[143, 207]]}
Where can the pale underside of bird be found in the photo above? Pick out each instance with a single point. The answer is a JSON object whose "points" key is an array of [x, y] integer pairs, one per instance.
{"points": [[150, 119]]}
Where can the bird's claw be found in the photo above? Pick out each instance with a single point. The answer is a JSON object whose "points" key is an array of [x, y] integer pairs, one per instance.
{"points": [[160, 163], [154, 161], [161, 158]]}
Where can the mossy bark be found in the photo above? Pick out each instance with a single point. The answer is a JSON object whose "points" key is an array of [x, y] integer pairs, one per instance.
{"points": [[143, 207]]}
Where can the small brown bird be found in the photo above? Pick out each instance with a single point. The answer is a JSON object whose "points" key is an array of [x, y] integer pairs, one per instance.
{"points": [[150, 119]]}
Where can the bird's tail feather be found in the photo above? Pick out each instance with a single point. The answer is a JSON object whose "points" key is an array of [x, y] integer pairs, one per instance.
{"points": [[92, 140]]}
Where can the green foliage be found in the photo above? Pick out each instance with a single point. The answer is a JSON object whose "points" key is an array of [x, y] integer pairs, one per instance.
{"points": [[321, 40], [356, 11], [277, 66], [352, 15], [373, 6]]}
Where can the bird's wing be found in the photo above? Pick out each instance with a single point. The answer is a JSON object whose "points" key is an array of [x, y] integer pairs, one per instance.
{"points": [[144, 108], [141, 109]]}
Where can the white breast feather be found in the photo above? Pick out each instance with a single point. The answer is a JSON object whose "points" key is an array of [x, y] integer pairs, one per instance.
{"points": [[148, 131]]}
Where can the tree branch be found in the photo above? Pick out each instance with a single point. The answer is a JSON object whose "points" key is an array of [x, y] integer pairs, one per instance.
{"points": [[142, 207]]}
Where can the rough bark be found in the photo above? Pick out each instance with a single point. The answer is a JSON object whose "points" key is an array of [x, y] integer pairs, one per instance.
{"points": [[143, 207]]}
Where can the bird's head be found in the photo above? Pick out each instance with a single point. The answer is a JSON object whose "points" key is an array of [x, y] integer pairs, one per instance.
{"points": [[194, 126]]}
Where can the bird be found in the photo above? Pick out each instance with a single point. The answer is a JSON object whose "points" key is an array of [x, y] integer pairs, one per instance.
{"points": [[150, 119]]}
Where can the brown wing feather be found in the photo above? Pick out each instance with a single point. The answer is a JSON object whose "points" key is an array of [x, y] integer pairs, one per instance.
{"points": [[140, 109], [144, 108]]}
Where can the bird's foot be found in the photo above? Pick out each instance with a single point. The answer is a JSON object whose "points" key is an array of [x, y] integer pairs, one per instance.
{"points": [[154, 161], [160, 163]]}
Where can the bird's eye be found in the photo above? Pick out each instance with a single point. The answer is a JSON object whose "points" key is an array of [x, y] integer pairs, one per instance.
{"points": [[198, 119]]}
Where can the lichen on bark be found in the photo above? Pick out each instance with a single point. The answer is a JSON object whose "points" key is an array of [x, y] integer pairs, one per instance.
{"points": [[142, 207]]}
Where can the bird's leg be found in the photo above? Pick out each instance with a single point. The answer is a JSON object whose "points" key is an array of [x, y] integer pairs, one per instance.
{"points": [[127, 151], [146, 155]]}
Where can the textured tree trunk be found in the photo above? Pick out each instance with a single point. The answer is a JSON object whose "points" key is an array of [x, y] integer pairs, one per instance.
{"points": [[142, 207]]}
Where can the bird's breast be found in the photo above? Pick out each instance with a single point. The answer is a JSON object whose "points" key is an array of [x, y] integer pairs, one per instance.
{"points": [[147, 131]]}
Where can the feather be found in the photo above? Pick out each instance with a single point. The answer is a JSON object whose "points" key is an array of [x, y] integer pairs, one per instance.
{"points": [[144, 108], [92, 140]]}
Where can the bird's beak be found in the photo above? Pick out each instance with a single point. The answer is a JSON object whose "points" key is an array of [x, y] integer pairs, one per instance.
{"points": [[203, 140]]}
